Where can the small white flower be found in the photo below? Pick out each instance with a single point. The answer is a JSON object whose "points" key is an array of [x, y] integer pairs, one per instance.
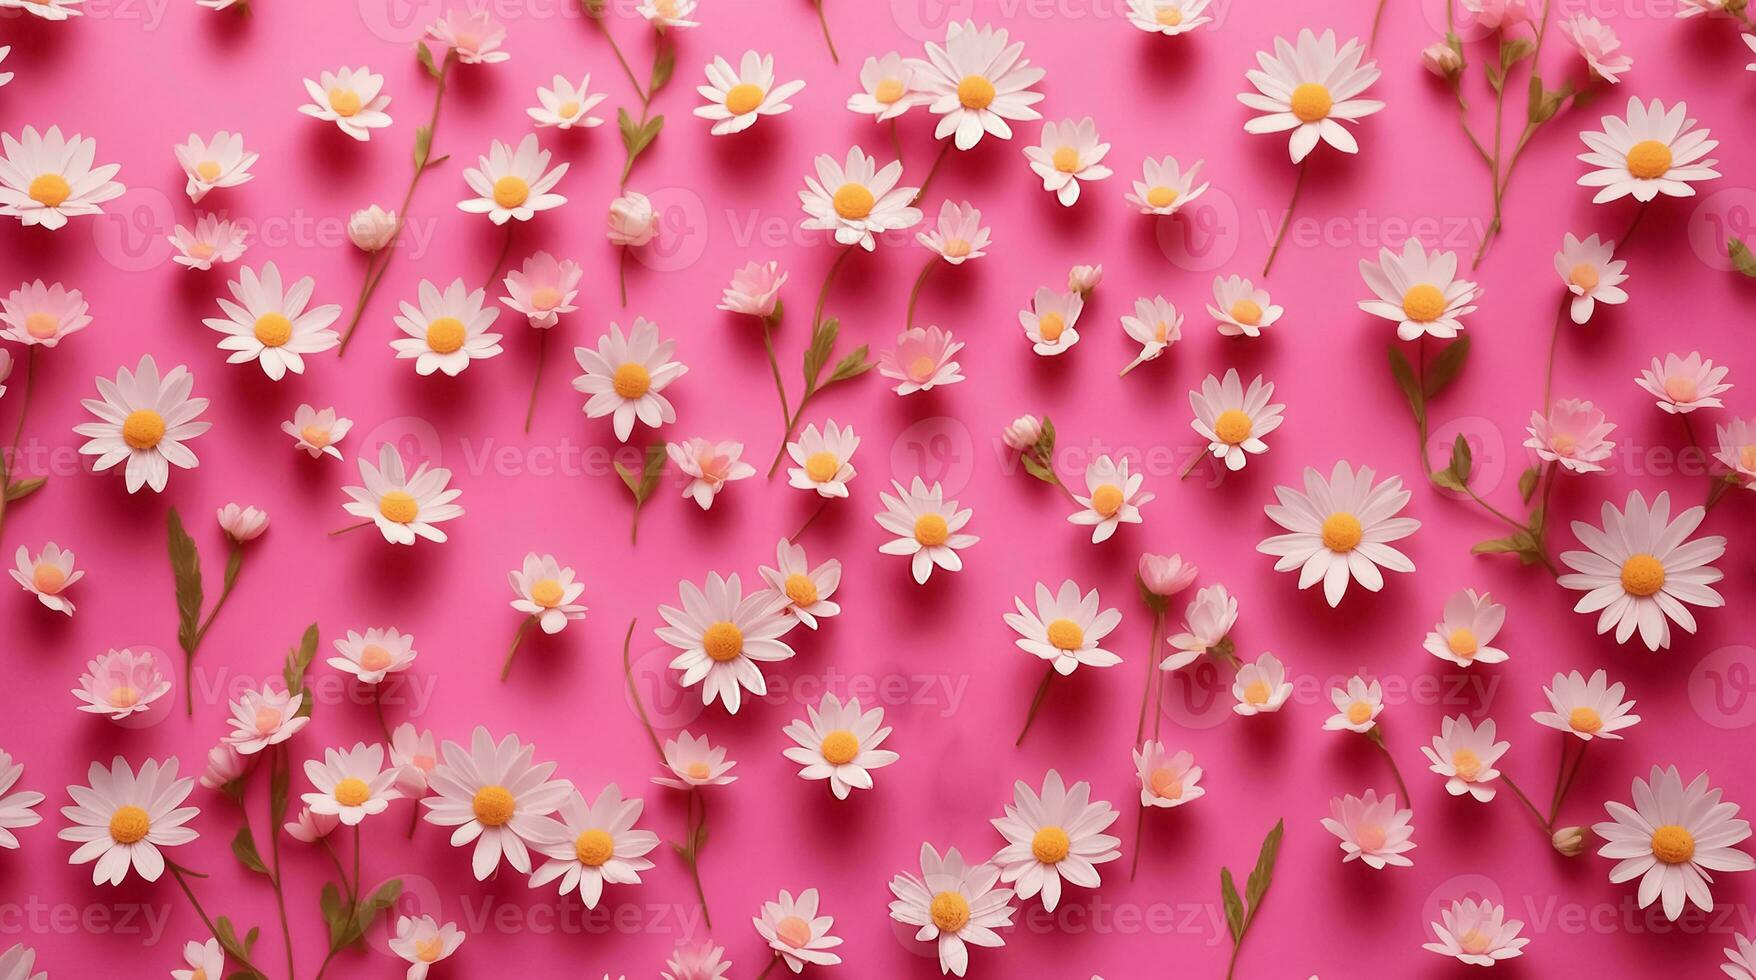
{"points": [[591, 845], [1372, 830], [1167, 17], [513, 184], [1233, 419], [317, 432], [632, 220], [1466, 632], [209, 164], [403, 506], [1465, 753], [372, 228], [1672, 838], [1418, 292], [17, 810], [546, 589], [351, 784], [495, 797], [1261, 687], [375, 654], [824, 459], [270, 325], [351, 98], [722, 635], [1586, 709], [1065, 628], [1241, 309], [447, 330], [1340, 530], [1653, 151], [1068, 154], [795, 931], [1477, 933], [146, 420], [927, 527], [709, 465], [213, 240], [204, 960], [564, 105], [886, 88], [121, 818], [1165, 187], [1207, 622], [857, 200], [736, 99], [423, 942], [1054, 836], [1049, 323], [47, 576], [261, 718], [806, 590], [1357, 706], [839, 742], [46, 179], [1113, 497], [626, 377], [1166, 780], [693, 762], [1592, 273], [1684, 384], [242, 524]]}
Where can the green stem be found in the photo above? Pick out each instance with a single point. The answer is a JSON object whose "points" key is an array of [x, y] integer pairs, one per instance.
{"points": [[1035, 703], [780, 387], [1534, 812], [914, 294], [1158, 629], [537, 376], [279, 760], [1376, 735], [517, 638], [634, 692], [234, 561], [1139, 842], [810, 383], [1286, 220], [824, 21], [627, 69], [177, 874]]}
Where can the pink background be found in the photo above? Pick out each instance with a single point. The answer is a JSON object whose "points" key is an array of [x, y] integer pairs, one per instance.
{"points": [[142, 76]]}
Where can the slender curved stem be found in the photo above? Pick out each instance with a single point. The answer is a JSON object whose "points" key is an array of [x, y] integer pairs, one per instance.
{"points": [[1035, 703], [914, 294], [1139, 842], [1157, 636], [279, 760], [823, 292], [10, 459], [177, 874], [932, 171], [1286, 220], [1534, 812], [1376, 735], [822, 504], [634, 692], [824, 21], [786, 413], [517, 638], [536, 378]]}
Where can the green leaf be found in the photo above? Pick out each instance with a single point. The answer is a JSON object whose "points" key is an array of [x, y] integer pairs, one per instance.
{"points": [[1515, 49], [234, 564], [1233, 904], [1045, 446], [1446, 366], [20, 489], [334, 915], [664, 65], [298, 663], [425, 56], [852, 366], [1742, 260], [1527, 483], [369, 909], [651, 472], [817, 355], [1517, 543], [1447, 479], [186, 573], [1256, 886], [244, 849], [1404, 373], [1461, 461], [630, 479], [1037, 469], [637, 136]]}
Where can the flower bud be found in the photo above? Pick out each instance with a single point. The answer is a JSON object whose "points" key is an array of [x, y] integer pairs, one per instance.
{"points": [[1165, 575], [310, 827], [1085, 278], [632, 220], [370, 229], [1570, 841], [1023, 432], [242, 524], [1442, 59]]}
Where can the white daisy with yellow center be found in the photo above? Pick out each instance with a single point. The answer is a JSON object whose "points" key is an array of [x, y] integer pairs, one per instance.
{"points": [[1372, 830], [924, 358], [840, 743], [1340, 529], [1168, 17], [663, 14], [564, 105], [17, 810], [1737, 451], [1232, 418], [694, 762], [316, 431], [953, 905], [592, 845], [210, 164], [1155, 325], [122, 819], [710, 465], [1066, 628], [803, 591], [545, 588], [794, 930], [1054, 836], [1069, 153], [1164, 186], [352, 98], [1050, 321], [928, 528], [403, 505], [1465, 753], [1592, 273], [213, 241], [1166, 779], [121, 683], [48, 10], [722, 635], [495, 797], [824, 458], [46, 179], [1418, 292], [1477, 933], [269, 324], [47, 576], [1652, 151], [1261, 687], [1240, 308], [1113, 497], [1311, 88], [1357, 706], [448, 330], [1587, 708], [626, 377], [351, 784], [976, 83], [857, 200], [265, 717], [145, 420], [1206, 625], [1642, 572], [205, 961], [736, 99], [375, 654], [422, 941], [886, 88], [513, 184], [1674, 838], [35, 314], [958, 235], [1683, 384], [1466, 631]]}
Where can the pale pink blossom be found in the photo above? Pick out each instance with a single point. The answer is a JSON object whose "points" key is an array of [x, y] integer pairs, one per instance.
{"points": [[1598, 45], [755, 290], [709, 465], [921, 360], [543, 289], [1573, 435]]}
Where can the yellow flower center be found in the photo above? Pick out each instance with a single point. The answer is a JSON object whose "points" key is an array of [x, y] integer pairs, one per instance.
{"points": [[840, 747], [1370, 837], [203, 250], [1474, 942], [1256, 693], [1642, 575], [975, 92], [922, 368], [344, 102], [1166, 783], [889, 91], [821, 466], [493, 805], [143, 428], [352, 791], [1359, 713], [1467, 764], [1161, 196], [697, 770], [445, 335], [1681, 389], [594, 847], [273, 329], [374, 657], [48, 579], [1747, 458], [743, 97], [1065, 634], [722, 641], [853, 201], [50, 190], [1671, 844], [207, 170], [1051, 326], [1423, 303], [315, 435], [129, 824], [949, 911], [124, 697], [1585, 720], [199, 973], [1232, 426], [568, 109], [1066, 159], [631, 380], [1050, 845], [268, 720], [1107, 500], [1169, 17], [957, 248], [1341, 531], [1584, 275], [793, 931], [546, 593], [430, 949], [1649, 159], [1311, 102], [801, 590], [42, 326], [545, 298], [1462, 642], [510, 191], [398, 507], [931, 530]]}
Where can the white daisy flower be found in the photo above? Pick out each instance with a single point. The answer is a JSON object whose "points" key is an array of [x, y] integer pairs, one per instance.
{"points": [[1233, 419], [703, 962], [472, 35], [1418, 292], [723, 635], [35, 314], [1684, 384], [145, 420], [1168, 17], [404, 506], [1165, 187], [923, 359], [958, 235], [664, 14], [203, 960], [543, 289], [839, 742], [709, 465], [1464, 754], [1155, 325], [448, 330], [796, 933], [1311, 88], [1241, 309], [1068, 153], [351, 784], [1654, 151], [1740, 963], [1206, 624], [1372, 830], [261, 718], [591, 845], [17, 810], [1166, 780], [414, 754], [1585, 708], [352, 98], [693, 762], [122, 818], [270, 325], [976, 84], [317, 432], [736, 99], [626, 377], [546, 590], [1340, 530], [1641, 569], [209, 164], [46, 179], [928, 528], [953, 905], [805, 590], [1261, 687], [374, 655], [46, 9], [1049, 323], [1672, 838], [1573, 435], [47, 576], [1592, 273], [513, 185], [823, 458], [423, 941], [1113, 497], [1465, 633], [564, 105], [1357, 706], [1065, 628], [495, 796], [1737, 451], [857, 199], [213, 240], [886, 88], [120, 683], [1477, 933], [1054, 836]]}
